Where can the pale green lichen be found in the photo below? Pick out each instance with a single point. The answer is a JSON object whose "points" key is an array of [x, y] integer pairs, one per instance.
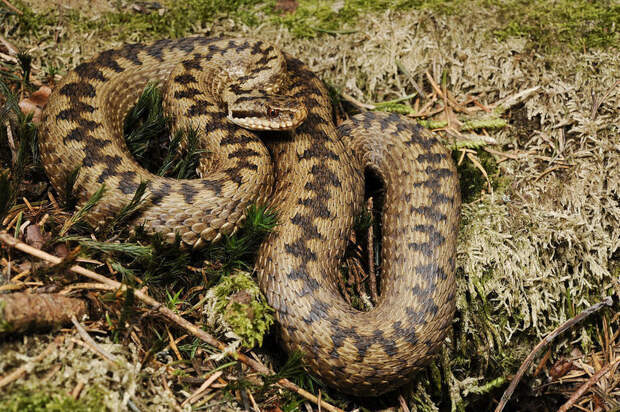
{"points": [[108, 386]]}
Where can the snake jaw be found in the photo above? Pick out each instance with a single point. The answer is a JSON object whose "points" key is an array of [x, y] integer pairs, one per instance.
{"points": [[267, 112]]}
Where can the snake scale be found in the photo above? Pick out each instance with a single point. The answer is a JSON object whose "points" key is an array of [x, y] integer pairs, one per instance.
{"points": [[311, 173]]}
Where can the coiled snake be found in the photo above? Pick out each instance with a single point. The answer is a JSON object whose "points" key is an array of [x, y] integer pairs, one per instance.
{"points": [[213, 84]]}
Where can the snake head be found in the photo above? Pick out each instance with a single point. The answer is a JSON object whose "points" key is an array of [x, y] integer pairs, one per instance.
{"points": [[266, 112]]}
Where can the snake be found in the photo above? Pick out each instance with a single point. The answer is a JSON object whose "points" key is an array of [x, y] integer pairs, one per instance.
{"points": [[266, 123]]}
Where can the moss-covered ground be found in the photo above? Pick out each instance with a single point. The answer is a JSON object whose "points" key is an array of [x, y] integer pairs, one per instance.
{"points": [[540, 233]]}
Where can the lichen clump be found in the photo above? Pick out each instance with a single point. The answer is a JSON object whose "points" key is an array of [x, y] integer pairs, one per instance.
{"points": [[239, 304]]}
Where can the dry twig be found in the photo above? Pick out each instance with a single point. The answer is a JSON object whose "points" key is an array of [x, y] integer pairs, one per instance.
{"points": [[608, 301], [10, 6], [371, 255]]}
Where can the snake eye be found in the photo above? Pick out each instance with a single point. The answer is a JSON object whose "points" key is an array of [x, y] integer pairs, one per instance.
{"points": [[271, 112]]}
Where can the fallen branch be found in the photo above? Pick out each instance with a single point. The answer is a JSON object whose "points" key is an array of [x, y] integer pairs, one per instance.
{"points": [[169, 314], [608, 301], [22, 312]]}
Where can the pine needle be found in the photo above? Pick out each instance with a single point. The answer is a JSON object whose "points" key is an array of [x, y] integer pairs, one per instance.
{"points": [[80, 214]]}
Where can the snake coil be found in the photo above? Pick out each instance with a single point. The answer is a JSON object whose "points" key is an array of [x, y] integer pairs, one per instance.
{"points": [[312, 175]]}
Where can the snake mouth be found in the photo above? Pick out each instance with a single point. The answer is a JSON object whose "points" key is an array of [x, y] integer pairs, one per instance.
{"points": [[281, 121]]}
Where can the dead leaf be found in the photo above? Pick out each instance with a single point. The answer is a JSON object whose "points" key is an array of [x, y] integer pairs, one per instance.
{"points": [[560, 368], [61, 250], [35, 103], [34, 237]]}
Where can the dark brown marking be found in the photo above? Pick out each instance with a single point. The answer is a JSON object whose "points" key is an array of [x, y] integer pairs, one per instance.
{"points": [[307, 225], [408, 332], [108, 59], [127, 183], [185, 78], [111, 164], [214, 185], [90, 71], [318, 151], [237, 138], [431, 157], [431, 272], [318, 311], [300, 250], [75, 111], [243, 153], [78, 89], [159, 193], [309, 284], [429, 212], [187, 93], [435, 239], [388, 345]]}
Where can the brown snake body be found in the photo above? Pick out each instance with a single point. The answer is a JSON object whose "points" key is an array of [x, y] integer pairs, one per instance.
{"points": [[318, 190]]}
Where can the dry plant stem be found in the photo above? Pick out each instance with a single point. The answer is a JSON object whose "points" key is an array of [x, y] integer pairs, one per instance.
{"points": [[75, 393], [415, 85], [200, 391], [583, 388], [10, 6], [549, 170], [356, 102], [178, 320], [597, 102], [371, 256], [608, 301], [502, 105], [91, 342], [21, 371], [175, 404], [403, 404], [343, 287]]}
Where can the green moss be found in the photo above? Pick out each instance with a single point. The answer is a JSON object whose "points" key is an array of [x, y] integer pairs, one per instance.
{"points": [[240, 302], [552, 24], [5, 327], [313, 17], [576, 23], [51, 401]]}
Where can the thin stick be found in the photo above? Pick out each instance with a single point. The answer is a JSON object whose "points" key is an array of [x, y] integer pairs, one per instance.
{"points": [[158, 307], [371, 255], [200, 391], [608, 301], [403, 404], [597, 102], [10, 6], [583, 388], [356, 102], [415, 85], [91, 342], [175, 404], [549, 170]]}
